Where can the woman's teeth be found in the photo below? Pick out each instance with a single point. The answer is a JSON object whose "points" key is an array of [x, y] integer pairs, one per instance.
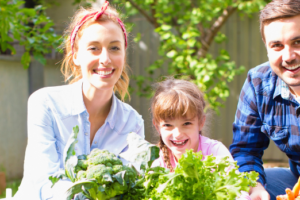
{"points": [[103, 72], [292, 67]]}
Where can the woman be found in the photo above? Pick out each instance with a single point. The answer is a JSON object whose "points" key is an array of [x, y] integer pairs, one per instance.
{"points": [[95, 59]]}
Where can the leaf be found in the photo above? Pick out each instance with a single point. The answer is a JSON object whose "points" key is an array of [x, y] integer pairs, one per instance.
{"points": [[139, 150], [60, 174], [77, 188], [39, 57], [70, 155], [25, 60], [171, 54]]}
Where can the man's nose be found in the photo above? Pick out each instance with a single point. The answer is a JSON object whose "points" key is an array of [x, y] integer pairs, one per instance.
{"points": [[288, 55]]}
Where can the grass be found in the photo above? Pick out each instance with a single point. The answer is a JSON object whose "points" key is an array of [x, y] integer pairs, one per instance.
{"points": [[14, 185]]}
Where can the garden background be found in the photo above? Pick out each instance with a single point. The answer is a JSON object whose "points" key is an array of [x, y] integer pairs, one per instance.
{"points": [[239, 36]]}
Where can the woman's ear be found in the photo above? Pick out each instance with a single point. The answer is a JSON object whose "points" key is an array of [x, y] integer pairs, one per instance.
{"points": [[75, 59], [202, 122]]}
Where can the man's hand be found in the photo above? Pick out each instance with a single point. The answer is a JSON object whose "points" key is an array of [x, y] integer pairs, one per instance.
{"points": [[259, 193]]}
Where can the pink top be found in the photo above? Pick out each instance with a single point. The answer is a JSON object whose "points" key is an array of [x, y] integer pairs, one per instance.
{"points": [[207, 146]]}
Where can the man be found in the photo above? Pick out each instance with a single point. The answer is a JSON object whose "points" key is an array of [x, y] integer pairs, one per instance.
{"points": [[269, 103]]}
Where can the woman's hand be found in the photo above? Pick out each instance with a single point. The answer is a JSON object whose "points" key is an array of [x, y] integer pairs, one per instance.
{"points": [[259, 193]]}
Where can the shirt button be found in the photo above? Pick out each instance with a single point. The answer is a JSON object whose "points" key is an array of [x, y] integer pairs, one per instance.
{"points": [[96, 142], [86, 133]]}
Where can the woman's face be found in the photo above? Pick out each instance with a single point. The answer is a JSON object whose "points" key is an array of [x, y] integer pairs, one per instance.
{"points": [[101, 54], [180, 134]]}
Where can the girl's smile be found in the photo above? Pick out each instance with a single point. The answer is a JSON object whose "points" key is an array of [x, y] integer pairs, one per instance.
{"points": [[180, 134]]}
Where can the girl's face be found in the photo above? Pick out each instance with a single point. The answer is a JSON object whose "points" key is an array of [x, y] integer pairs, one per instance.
{"points": [[180, 134], [101, 54]]}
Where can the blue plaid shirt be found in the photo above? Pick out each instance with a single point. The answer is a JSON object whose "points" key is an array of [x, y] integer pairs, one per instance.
{"points": [[266, 111]]}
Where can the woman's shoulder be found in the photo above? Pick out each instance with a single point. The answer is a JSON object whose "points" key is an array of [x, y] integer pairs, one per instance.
{"points": [[53, 91], [56, 98]]}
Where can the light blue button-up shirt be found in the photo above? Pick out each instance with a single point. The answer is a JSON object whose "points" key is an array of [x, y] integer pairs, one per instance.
{"points": [[52, 114]]}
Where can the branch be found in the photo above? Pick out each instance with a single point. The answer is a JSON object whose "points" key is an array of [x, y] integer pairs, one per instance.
{"points": [[151, 20], [211, 33], [153, 11]]}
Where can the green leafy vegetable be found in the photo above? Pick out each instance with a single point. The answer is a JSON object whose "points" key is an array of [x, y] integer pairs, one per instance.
{"points": [[101, 175], [193, 178]]}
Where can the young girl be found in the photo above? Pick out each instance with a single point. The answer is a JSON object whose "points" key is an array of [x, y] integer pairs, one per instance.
{"points": [[178, 116], [95, 64]]}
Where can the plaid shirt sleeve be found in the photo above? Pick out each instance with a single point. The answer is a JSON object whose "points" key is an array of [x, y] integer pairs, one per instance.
{"points": [[249, 142]]}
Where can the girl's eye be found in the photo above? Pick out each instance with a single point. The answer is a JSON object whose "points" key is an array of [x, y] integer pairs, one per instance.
{"points": [[187, 123], [166, 125]]}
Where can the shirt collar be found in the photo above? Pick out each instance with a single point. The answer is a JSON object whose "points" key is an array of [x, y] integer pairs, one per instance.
{"points": [[77, 100], [111, 118], [79, 107], [281, 89]]}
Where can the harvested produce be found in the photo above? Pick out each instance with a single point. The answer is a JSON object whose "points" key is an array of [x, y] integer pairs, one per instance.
{"points": [[291, 194], [194, 178], [101, 175]]}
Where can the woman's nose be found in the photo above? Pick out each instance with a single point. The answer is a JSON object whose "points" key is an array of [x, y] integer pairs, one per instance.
{"points": [[104, 57]]}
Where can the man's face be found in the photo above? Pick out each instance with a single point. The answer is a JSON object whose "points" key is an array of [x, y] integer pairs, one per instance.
{"points": [[282, 39]]}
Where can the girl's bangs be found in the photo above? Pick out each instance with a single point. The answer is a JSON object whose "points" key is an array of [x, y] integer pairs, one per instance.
{"points": [[173, 106]]}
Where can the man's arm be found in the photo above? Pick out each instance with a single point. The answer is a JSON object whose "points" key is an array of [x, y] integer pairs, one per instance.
{"points": [[249, 142]]}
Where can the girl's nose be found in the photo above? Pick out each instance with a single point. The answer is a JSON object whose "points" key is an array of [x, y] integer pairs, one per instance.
{"points": [[176, 132], [104, 57]]}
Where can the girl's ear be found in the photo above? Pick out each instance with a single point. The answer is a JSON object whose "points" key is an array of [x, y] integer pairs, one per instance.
{"points": [[155, 125], [202, 122]]}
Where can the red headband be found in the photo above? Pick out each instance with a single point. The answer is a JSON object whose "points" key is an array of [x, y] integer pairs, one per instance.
{"points": [[96, 16]]}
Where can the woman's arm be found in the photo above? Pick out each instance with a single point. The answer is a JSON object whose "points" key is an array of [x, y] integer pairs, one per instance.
{"points": [[42, 157]]}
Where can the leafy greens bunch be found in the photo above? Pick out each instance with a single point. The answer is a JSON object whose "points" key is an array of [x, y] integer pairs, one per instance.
{"points": [[101, 175], [193, 178]]}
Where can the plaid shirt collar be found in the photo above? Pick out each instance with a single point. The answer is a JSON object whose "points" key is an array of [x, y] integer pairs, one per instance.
{"points": [[281, 89]]}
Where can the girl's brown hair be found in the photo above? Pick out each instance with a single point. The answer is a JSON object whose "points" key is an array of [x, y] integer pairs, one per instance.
{"points": [[70, 70], [176, 98]]}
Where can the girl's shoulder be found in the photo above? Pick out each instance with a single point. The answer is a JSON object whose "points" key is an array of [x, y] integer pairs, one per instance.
{"points": [[210, 146]]}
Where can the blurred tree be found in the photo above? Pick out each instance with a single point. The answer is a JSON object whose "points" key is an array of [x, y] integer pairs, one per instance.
{"points": [[27, 24], [187, 30]]}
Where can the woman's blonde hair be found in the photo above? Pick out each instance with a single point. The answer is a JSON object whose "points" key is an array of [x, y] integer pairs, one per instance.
{"points": [[70, 70], [175, 98]]}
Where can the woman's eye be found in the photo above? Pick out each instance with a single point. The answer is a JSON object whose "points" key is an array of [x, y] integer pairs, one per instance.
{"points": [[115, 48], [92, 48]]}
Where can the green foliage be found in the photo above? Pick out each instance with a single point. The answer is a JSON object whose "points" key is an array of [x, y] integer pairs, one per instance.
{"points": [[29, 27], [13, 185], [187, 30], [209, 179]]}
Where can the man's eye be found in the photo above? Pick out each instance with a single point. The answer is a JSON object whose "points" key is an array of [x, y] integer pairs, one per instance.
{"points": [[276, 45], [297, 42]]}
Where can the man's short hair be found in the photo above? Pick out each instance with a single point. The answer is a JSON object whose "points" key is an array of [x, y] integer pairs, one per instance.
{"points": [[278, 9]]}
